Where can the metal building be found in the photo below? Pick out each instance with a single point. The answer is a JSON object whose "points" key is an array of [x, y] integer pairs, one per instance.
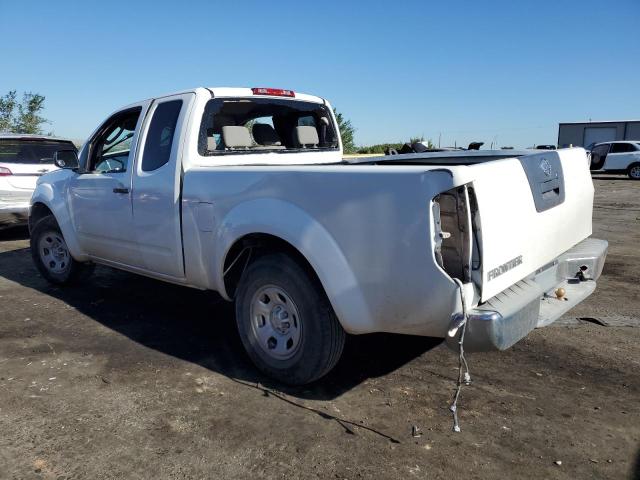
{"points": [[583, 134]]}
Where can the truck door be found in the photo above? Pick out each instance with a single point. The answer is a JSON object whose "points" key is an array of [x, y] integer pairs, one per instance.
{"points": [[157, 186], [100, 196]]}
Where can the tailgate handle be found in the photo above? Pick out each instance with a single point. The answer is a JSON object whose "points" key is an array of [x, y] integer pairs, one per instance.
{"points": [[550, 185], [120, 190]]}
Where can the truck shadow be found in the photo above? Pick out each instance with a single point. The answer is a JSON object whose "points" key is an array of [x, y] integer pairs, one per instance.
{"points": [[199, 327], [20, 232]]}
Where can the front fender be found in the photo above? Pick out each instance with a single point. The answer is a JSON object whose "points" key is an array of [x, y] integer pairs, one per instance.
{"points": [[292, 224], [51, 191]]}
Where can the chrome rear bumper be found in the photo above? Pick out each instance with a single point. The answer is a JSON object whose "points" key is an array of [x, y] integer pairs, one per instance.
{"points": [[508, 317]]}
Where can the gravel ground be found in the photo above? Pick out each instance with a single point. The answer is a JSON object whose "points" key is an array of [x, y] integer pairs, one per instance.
{"points": [[127, 377]]}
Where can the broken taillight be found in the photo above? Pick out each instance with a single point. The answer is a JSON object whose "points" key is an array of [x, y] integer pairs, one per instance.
{"points": [[456, 235]]}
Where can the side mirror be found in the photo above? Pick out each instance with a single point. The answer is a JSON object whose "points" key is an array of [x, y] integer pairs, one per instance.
{"points": [[66, 159]]}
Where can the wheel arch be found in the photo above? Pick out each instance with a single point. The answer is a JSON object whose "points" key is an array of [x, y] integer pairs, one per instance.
{"points": [[44, 202], [277, 226], [37, 212], [252, 246]]}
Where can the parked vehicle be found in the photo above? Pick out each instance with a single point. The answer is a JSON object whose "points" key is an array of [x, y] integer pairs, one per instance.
{"points": [[617, 157], [245, 192], [23, 158]]}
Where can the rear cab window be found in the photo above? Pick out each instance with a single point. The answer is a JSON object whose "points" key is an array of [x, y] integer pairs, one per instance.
{"points": [[31, 151], [263, 125]]}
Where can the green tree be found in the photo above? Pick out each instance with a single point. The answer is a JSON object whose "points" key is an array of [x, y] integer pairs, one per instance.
{"points": [[379, 148], [29, 119], [23, 117], [382, 147], [346, 132], [7, 108], [421, 138]]}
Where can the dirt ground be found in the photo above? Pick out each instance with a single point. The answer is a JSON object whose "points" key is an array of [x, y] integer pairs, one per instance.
{"points": [[127, 377]]}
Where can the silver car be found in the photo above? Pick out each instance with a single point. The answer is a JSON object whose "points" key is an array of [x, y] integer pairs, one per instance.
{"points": [[24, 158]]}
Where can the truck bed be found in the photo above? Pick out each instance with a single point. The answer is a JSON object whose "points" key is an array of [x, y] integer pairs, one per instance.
{"points": [[456, 157], [342, 216]]}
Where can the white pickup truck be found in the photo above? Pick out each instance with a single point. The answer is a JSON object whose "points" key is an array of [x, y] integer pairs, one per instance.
{"points": [[245, 192]]}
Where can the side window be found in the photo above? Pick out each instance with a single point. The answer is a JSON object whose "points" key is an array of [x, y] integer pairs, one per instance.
{"points": [[157, 146], [111, 147], [622, 148]]}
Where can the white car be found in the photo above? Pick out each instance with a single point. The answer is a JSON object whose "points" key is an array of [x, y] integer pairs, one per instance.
{"points": [[245, 192], [23, 159], [617, 157]]}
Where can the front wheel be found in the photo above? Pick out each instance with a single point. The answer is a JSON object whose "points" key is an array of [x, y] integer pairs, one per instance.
{"points": [[51, 255], [634, 171], [286, 322]]}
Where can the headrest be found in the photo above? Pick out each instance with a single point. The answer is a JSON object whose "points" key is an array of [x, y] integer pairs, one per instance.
{"points": [[236, 137], [264, 134], [306, 136]]}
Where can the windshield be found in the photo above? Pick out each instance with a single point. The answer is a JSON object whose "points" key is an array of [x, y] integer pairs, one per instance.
{"points": [[31, 151], [257, 125]]}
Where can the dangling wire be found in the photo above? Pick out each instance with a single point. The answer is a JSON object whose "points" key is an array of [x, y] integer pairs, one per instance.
{"points": [[462, 362]]}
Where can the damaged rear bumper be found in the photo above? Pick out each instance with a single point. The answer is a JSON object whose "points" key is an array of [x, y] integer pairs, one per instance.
{"points": [[506, 318]]}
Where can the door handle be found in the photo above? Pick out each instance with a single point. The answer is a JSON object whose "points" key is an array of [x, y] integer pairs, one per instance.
{"points": [[120, 190]]}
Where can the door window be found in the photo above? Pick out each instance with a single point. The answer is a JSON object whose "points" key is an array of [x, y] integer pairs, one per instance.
{"points": [[622, 148], [598, 155], [157, 146], [600, 150], [111, 148]]}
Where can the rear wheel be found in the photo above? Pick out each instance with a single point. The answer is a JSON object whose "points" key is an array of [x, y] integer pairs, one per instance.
{"points": [[634, 171], [51, 255], [286, 322]]}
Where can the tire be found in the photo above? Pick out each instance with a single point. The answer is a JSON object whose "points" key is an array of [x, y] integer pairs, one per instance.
{"points": [[286, 322], [52, 257], [597, 162], [634, 171]]}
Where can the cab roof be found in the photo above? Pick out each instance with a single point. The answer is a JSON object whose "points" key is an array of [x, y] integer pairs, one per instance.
{"points": [[248, 92], [223, 92]]}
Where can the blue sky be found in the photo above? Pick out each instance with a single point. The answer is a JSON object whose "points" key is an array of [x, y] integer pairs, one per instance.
{"points": [[494, 71]]}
